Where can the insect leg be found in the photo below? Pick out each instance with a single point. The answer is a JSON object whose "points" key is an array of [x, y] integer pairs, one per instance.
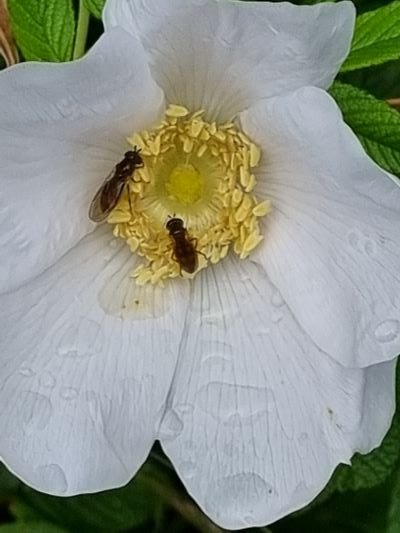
{"points": [[195, 241], [129, 197]]}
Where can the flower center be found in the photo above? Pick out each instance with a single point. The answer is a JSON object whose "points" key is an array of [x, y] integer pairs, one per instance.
{"points": [[185, 184], [193, 199]]}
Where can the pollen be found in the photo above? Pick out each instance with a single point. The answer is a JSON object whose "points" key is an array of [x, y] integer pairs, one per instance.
{"points": [[202, 173]]}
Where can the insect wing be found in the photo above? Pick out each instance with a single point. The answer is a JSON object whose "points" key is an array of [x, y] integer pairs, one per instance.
{"points": [[106, 198]]}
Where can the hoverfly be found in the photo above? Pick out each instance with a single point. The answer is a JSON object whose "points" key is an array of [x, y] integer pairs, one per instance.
{"points": [[108, 195], [185, 252]]}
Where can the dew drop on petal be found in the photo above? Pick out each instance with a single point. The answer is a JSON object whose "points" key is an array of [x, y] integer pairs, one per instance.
{"points": [[303, 438], [47, 380], [387, 331], [94, 408], [53, 477], [26, 372], [228, 401], [184, 409], [82, 340], [239, 494], [276, 299], [353, 238], [68, 393], [303, 448], [370, 247], [276, 317], [37, 411], [171, 425], [187, 469]]}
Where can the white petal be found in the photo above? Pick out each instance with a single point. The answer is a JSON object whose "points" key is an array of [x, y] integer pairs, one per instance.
{"points": [[82, 390], [62, 129], [222, 56], [332, 242], [258, 417], [379, 405]]}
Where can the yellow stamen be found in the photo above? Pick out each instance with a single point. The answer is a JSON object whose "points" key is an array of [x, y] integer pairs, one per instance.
{"points": [[201, 173], [176, 111]]}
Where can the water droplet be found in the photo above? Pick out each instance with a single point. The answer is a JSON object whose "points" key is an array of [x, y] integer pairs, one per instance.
{"points": [[303, 448], [47, 380], [276, 317], [53, 478], [190, 445], [215, 349], [240, 495], [354, 238], [187, 469], [214, 365], [227, 401], [234, 420], [249, 520], [82, 340], [370, 247], [276, 299], [36, 410], [26, 372], [171, 426], [303, 439], [184, 409], [387, 331], [94, 408], [68, 393]]}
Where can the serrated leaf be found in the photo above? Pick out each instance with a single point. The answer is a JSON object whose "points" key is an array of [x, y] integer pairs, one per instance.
{"points": [[375, 123], [95, 7], [44, 29], [372, 469], [8, 50], [376, 38]]}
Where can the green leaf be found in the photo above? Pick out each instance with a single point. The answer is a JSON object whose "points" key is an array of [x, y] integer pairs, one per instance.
{"points": [[375, 123], [370, 470], [31, 527], [394, 508], [374, 468], [8, 483], [363, 511], [95, 7], [114, 510], [44, 29], [376, 38]]}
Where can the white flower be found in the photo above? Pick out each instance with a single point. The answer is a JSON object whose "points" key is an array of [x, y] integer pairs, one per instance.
{"points": [[260, 375]]}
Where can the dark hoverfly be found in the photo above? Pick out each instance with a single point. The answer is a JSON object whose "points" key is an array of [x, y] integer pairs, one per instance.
{"points": [[185, 252], [108, 195]]}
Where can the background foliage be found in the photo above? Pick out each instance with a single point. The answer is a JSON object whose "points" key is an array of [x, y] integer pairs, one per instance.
{"points": [[363, 498]]}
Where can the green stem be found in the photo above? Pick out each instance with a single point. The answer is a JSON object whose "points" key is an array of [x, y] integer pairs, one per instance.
{"points": [[188, 510], [81, 31]]}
